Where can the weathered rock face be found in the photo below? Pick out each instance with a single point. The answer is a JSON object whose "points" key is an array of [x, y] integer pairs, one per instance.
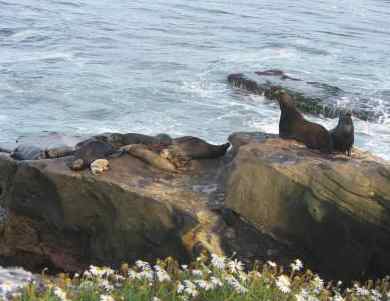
{"points": [[67, 220], [282, 201], [337, 209], [309, 97]]}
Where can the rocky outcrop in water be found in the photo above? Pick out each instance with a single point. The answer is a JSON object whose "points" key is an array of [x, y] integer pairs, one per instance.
{"points": [[310, 97], [337, 209], [266, 199]]}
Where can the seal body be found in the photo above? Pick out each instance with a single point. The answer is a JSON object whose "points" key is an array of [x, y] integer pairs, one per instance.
{"points": [[293, 125], [196, 148], [143, 153], [343, 135], [89, 152]]}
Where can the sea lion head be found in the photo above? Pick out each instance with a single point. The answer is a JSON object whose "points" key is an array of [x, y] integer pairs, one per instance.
{"points": [[285, 100], [345, 121]]}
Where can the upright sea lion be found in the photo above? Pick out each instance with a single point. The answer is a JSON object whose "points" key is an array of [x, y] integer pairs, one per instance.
{"points": [[293, 125], [343, 134]]}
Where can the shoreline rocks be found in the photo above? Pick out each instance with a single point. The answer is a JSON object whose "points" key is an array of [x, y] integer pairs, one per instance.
{"points": [[266, 199], [337, 209]]}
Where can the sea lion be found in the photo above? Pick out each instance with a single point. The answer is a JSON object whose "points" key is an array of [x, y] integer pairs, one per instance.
{"points": [[28, 152], [293, 125], [89, 152], [118, 140], [187, 148], [58, 152], [143, 153], [196, 148], [343, 134]]}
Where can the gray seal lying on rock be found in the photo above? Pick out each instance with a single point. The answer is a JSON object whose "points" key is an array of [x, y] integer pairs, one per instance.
{"points": [[343, 134], [89, 152], [293, 125], [118, 140]]}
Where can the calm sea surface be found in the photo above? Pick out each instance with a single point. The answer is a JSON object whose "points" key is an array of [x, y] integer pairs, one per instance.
{"points": [[90, 66]]}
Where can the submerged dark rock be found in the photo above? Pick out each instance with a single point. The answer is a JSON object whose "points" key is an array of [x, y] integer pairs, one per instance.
{"points": [[309, 96]]}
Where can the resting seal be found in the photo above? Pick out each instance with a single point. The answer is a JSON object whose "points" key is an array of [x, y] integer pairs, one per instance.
{"points": [[89, 152], [187, 148], [293, 125], [196, 148], [143, 153], [343, 134], [117, 140]]}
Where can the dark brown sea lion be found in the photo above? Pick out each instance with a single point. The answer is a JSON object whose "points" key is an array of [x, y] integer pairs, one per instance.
{"points": [[343, 134], [196, 148], [89, 152], [293, 125]]}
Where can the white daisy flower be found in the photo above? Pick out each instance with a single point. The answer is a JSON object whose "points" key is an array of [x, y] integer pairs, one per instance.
{"points": [[283, 284], [58, 292], [162, 275], [235, 266], [197, 273], [271, 263], [297, 265], [180, 288], [215, 282], [106, 298], [190, 288], [218, 261], [234, 283], [143, 265], [318, 284]]}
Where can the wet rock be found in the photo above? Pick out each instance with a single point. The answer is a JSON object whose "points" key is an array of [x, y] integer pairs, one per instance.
{"points": [[309, 97], [337, 209]]}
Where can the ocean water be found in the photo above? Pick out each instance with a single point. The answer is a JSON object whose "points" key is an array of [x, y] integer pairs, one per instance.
{"points": [[87, 66]]}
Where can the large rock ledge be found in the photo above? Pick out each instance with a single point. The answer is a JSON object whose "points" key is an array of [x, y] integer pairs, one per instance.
{"points": [[266, 199], [337, 209], [67, 220]]}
